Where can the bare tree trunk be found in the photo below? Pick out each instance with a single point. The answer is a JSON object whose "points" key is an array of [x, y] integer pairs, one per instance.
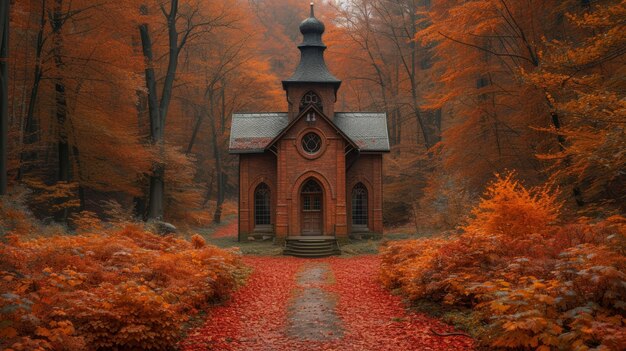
{"points": [[31, 127], [209, 191], [159, 115], [155, 197], [4, 94], [223, 106], [174, 50], [194, 133], [64, 164], [577, 192], [217, 216]]}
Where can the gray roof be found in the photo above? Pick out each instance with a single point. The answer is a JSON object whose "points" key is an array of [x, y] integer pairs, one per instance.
{"points": [[312, 68], [367, 129], [252, 132]]}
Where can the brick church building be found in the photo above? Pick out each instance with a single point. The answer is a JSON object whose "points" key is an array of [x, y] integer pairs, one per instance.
{"points": [[310, 172]]}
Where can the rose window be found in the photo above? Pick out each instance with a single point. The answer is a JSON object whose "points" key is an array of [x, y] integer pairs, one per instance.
{"points": [[311, 143]]}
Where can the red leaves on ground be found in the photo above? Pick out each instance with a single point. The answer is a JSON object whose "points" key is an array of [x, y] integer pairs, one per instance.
{"points": [[256, 317], [226, 231], [375, 320]]}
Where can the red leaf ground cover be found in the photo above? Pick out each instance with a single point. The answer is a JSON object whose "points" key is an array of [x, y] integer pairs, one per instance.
{"points": [[256, 316], [225, 231]]}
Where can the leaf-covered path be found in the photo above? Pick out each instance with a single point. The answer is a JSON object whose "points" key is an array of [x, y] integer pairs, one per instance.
{"points": [[260, 316]]}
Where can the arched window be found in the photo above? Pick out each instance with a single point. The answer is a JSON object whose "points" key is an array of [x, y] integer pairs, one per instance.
{"points": [[311, 187], [262, 204], [359, 205], [310, 98], [311, 196]]}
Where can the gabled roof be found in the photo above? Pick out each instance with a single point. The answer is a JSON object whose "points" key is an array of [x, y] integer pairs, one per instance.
{"points": [[306, 111], [367, 129], [254, 132]]}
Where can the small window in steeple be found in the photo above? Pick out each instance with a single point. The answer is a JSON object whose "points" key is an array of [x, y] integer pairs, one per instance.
{"points": [[310, 98]]}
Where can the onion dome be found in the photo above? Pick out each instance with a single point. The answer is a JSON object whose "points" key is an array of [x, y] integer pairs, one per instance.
{"points": [[312, 29], [312, 67]]}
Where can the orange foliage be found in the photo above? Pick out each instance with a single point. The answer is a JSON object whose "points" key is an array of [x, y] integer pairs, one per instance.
{"points": [[535, 284], [123, 289], [198, 241], [522, 81]]}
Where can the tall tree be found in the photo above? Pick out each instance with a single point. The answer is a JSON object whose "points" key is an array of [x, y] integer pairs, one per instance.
{"points": [[583, 80], [4, 94], [31, 126], [196, 22]]}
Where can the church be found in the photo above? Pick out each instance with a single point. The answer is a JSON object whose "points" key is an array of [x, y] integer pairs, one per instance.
{"points": [[311, 175]]}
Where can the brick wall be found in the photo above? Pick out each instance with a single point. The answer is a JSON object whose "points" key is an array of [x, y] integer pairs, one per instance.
{"points": [[324, 91], [286, 171], [367, 170], [255, 169]]}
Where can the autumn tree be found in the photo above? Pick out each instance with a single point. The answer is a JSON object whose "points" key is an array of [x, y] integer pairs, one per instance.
{"points": [[82, 84], [582, 76], [195, 21], [486, 51], [229, 74]]}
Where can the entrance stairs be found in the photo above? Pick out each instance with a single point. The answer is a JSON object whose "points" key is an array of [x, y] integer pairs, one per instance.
{"points": [[311, 246]]}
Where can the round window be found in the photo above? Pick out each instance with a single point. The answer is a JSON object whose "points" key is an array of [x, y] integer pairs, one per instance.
{"points": [[311, 143]]}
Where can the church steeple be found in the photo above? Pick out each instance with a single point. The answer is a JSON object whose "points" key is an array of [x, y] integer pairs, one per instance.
{"points": [[312, 67]]}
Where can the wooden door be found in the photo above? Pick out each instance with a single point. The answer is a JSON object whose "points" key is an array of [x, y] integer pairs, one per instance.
{"points": [[311, 214]]}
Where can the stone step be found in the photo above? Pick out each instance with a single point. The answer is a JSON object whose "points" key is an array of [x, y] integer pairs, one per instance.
{"points": [[310, 244], [296, 249], [303, 246], [309, 254]]}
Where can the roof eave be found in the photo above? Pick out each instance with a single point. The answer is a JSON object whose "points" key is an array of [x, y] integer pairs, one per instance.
{"points": [[374, 151], [246, 151], [295, 120], [336, 84]]}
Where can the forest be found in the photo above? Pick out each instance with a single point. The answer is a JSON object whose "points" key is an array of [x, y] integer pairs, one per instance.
{"points": [[504, 202]]}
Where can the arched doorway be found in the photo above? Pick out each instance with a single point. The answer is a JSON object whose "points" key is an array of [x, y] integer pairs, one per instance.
{"points": [[311, 208], [359, 208]]}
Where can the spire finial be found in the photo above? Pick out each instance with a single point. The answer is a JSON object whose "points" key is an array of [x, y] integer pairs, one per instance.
{"points": [[312, 14]]}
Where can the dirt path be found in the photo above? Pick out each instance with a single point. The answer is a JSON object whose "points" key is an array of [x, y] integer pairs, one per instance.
{"points": [[325, 304], [311, 312]]}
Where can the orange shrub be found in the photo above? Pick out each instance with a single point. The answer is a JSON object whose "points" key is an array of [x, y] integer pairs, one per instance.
{"points": [[198, 241], [535, 283], [125, 289]]}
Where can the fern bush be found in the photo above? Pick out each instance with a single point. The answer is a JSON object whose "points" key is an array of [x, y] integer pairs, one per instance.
{"points": [[536, 283], [111, 290]]}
